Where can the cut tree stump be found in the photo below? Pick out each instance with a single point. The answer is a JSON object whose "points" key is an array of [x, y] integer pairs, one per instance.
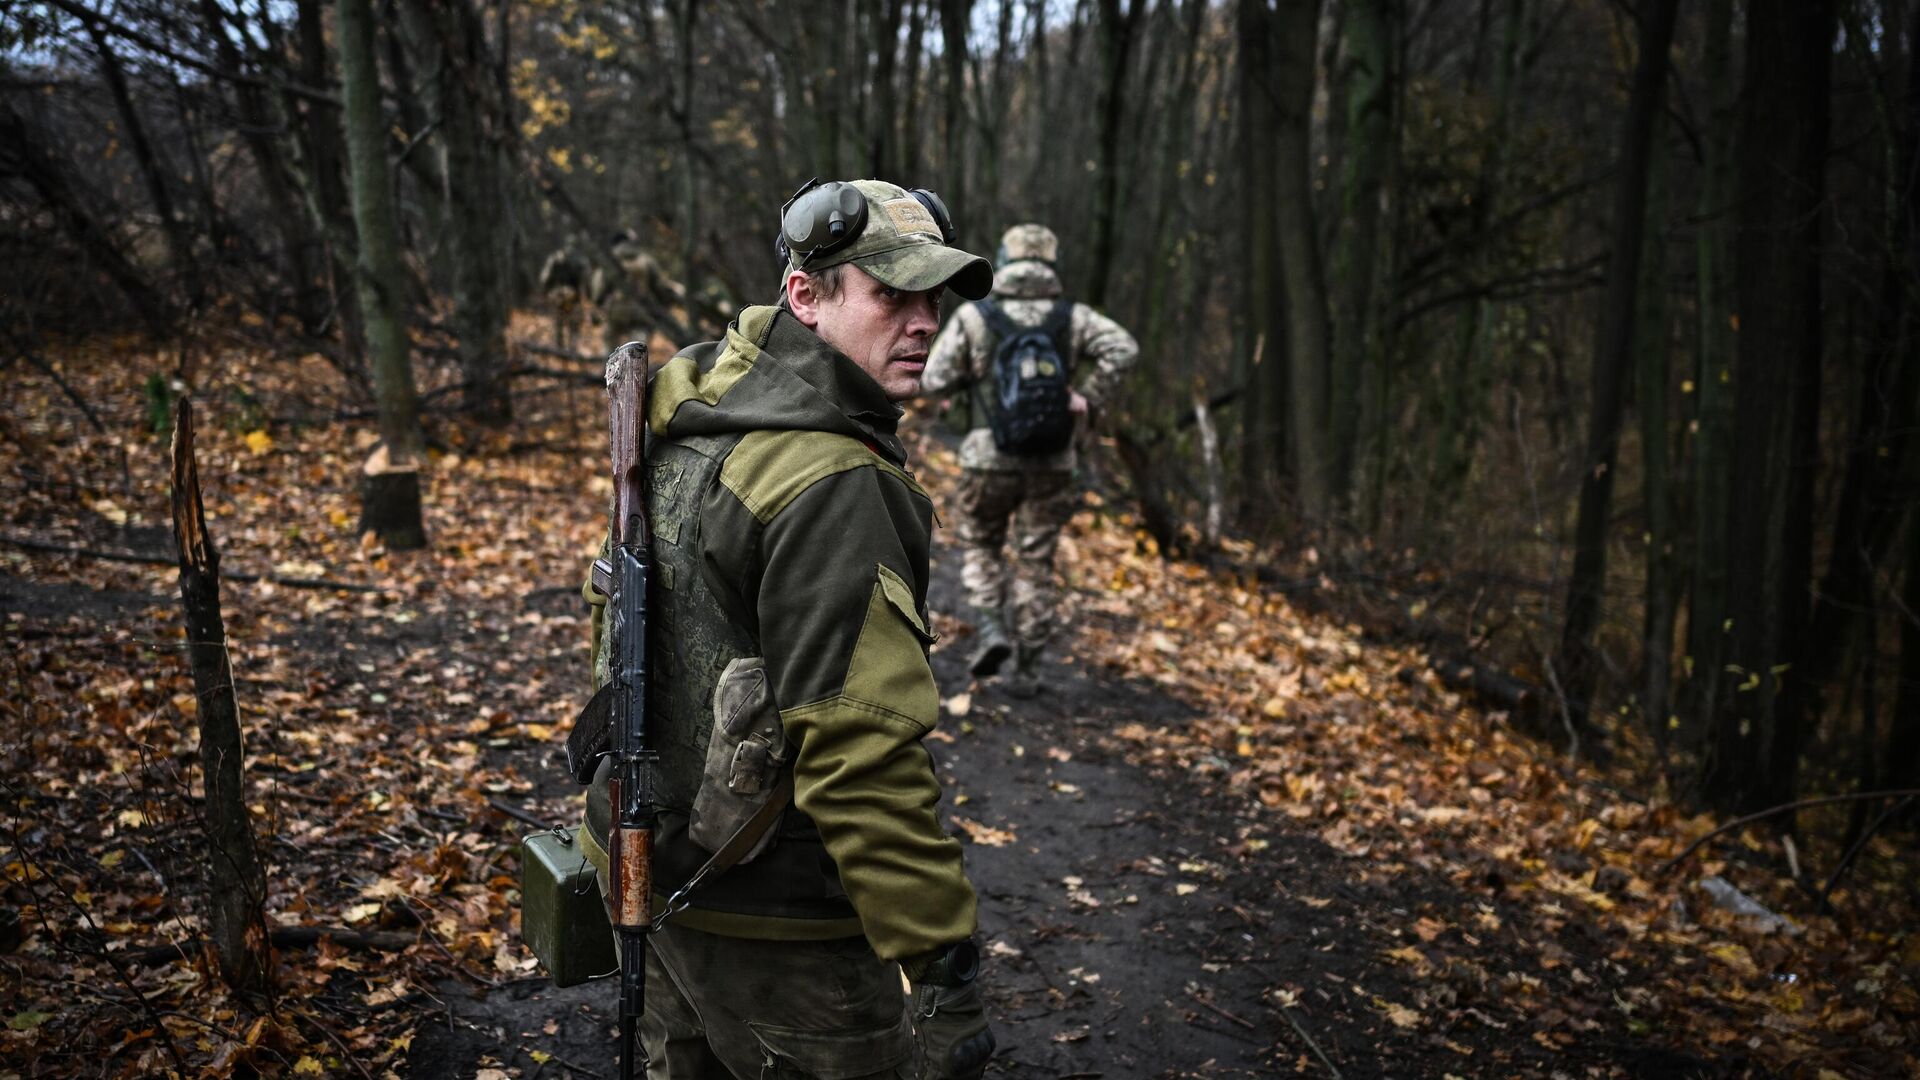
{"points": [[390, 502], [236, 885]]}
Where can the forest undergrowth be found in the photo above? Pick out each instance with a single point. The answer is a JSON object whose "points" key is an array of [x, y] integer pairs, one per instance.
{"points": [[381, 691]]}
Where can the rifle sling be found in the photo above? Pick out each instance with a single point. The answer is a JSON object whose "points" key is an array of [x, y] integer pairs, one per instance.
{"points": [[736, 847]]}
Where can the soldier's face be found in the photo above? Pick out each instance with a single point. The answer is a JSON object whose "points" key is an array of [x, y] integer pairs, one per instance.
{"points": [[882, 329]]}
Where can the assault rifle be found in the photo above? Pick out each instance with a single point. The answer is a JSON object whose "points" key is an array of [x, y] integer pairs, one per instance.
{"points": [[622, 577]]}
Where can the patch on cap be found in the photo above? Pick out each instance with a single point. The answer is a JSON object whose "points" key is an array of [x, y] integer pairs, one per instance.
{"points": [[908, 216]]}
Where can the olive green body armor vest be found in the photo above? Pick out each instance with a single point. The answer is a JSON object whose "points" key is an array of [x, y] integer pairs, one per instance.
{"points": [[693, 633]]}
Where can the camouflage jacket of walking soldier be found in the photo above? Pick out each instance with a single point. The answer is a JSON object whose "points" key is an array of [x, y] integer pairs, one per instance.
{"points": [[1100, 350], [787, 529]]}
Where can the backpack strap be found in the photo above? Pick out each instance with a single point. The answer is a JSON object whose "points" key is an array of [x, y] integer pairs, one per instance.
{"points": [[1058, 326], [998, 324]]}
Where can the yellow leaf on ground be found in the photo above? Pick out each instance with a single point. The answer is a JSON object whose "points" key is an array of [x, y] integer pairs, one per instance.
{"points": [[259, 442], [307, 1066], [984, 835]]}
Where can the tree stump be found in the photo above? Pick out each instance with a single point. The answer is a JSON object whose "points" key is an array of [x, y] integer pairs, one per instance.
{"points": [[390, 502], [236, 885]]}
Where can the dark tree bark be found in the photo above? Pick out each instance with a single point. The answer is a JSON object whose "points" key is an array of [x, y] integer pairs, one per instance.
{"points": [[1265, 375], [954, 16], [392, 507], [451, 41], [152, 170], [1653, 346], [1354, 292], [1302, 282], [881, 134], [1613, 360], [1116, 35], [236, 884], [1713, 383], [320, 167], [1880, 443], [1755, 752], [909, 135], [305, 269]]}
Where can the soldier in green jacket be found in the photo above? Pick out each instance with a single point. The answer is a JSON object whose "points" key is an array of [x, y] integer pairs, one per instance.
{"points": [[789, 635]]}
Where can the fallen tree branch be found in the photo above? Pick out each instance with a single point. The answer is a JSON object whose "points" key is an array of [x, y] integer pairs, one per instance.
{"points": [[518, 814], [287, 937], [1802, 804], [161, 560], [1859, 845]]}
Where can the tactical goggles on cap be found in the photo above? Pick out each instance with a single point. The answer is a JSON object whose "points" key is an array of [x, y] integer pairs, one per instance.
{"points": [[903, 238]]}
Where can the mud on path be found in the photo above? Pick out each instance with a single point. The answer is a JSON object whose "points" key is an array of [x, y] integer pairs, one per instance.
{"points": [[1138, 923]]}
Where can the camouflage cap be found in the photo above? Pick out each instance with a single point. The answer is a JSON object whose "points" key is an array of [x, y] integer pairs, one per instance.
{"points": [[1029, 241], [901, 246]]}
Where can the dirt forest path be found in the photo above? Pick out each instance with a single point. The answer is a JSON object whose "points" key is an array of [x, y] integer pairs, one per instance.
{"points": [[1136, 923], [1238, 837]]}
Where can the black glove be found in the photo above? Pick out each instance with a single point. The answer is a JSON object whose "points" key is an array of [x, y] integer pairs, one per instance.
{"points": [[949, 1016]]}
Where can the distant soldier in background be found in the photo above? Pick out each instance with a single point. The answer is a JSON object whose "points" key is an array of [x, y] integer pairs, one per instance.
{"points": [[1014, 358], [625, 297], [561, 278]]}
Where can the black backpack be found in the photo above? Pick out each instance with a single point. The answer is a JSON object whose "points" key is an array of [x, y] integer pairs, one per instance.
{"points": [[1031, 382]]}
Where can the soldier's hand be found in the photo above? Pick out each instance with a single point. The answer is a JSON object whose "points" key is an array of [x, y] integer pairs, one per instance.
{"points": [[950, 1030]]}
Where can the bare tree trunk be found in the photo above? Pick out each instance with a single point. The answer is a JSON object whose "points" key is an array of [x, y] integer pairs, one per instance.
{"points": [[1370, 130], [1116, 32], [954, 15], [301, 249], [1613, 360], [320, 164], [1880, 441], [152, 171], [1264, 456], [236, 885], [1304, 285], [391, 499], [1653, 386], [1755, 753], [909, 137], [451, 40], [1713, 383], [880, 141]]}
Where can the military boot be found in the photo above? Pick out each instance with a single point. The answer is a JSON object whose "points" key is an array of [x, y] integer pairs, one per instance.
{"points": [[994, 647], [1025, 682]]}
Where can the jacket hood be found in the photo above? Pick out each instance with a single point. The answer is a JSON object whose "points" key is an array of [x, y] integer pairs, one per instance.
{"points": [[1026, 279], [771, 373]]}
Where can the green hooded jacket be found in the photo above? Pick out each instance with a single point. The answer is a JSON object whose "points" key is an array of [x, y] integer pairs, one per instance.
{"points": [[810, 540]]}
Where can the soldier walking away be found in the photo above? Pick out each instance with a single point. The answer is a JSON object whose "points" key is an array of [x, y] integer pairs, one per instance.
{"points": [[561, 279], [787, 657], [1014, 357], [625, 298]]}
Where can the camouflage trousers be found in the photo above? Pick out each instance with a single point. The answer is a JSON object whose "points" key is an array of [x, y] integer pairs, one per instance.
{"points": [[1036, 504], [727, 1008]]}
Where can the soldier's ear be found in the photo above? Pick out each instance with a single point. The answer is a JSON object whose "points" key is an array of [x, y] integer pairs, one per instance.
{"points": [[801, 298]]}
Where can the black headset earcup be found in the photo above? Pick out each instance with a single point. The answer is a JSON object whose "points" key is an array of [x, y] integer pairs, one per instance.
{"points": [[824, 218], [938, 208]]}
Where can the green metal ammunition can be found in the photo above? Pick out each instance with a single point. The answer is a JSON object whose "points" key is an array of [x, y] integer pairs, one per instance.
{"points": [[561, 916]]}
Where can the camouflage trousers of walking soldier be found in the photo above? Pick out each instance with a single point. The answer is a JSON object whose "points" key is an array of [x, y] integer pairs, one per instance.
{"points": [[721, 1007], [1034, 506]]}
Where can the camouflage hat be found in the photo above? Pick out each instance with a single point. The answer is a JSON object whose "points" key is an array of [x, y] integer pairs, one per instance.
{"points": [[1029, 241], [902, 246]]}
